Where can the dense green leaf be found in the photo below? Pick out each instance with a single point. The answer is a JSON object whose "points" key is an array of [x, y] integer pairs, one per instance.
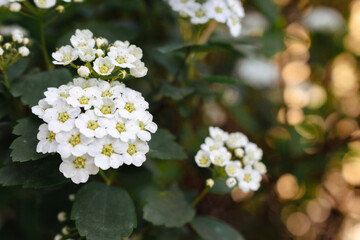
{"points": [[24, 147], [41, 173], [103, 212], [163, 146], [31, 88], [176, 93], [18, 68], [169, 209], [214, 229]]}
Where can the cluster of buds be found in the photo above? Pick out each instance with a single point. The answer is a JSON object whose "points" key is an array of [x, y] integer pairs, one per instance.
{"points": [[231, 155], [101, 59], [12, 51]]}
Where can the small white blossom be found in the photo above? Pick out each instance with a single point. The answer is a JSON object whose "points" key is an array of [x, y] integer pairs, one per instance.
{"points": [[253, 154], [15, 7], [132, 105], [24, 51], [260, 167], [45, 3], [121, 57], [239, 152], [135, 51], [90, 125], [236, 140], [79, 97], [218, 134], [220, 157], [119, 127], [100, 52], [211, 144], [248, 179], [78, 168], [82, 38], [17, 36], [135, 152], [65, 55], [234, 25], [100, 42], [202, 159], [231, 182], [210, 182], [72, 143], [87, 54], [61, 216], [39, 109], [139, 70], [233, 168], [54, 94], [47, 143], [217, 10], [83, 71], [105, 107], [145, 126], [198, 14], [1, 51], [103, 66]]}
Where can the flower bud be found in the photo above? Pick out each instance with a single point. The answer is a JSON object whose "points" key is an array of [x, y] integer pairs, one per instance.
{"points": [[26, 41], [210, 182], [65, 230], [100, 52], [72, 197], [15, 7], [24, 51], [239, 152], [60, 8], [101, 42], [58, 237], [61, 216], [231, 182], [7, 46], [1, 51], [83, 71]]}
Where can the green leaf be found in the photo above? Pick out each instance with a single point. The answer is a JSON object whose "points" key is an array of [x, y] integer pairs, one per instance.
{"points": [[24, 147], [269, 9], [103, 212], [176, 93], [31, 88], [169, 209], [18, 68], [41, 173], [224, 80], [163, 146], [220, 187], [214, 229]]}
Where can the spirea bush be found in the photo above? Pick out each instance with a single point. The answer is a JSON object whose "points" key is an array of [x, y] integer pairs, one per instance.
{"points": [[128, 139]]}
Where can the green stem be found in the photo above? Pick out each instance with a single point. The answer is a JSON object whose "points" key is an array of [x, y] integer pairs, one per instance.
{"points": [[106, 179], [6, 80], [49, 66], [201, 196]]}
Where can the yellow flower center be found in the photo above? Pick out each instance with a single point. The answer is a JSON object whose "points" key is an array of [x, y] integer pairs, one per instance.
{"points": [[120, 60], [64, 95], [120, 127], [63, 117], [75, 140], [132, 149], [203, 160], [83, 100], [213, 147], [142, 125], [106, 94], [247, 177], [79, 162], [106, 110], [66, 58], [218, 160], [231, 170], [184, 1], [42, 2], [104, 69], [51, 136], [93, 125], [200, 13], [107, 150], [218, 10], [129, 107]]}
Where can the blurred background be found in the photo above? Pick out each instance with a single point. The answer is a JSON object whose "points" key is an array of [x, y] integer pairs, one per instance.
{"points": [[296, 95]]}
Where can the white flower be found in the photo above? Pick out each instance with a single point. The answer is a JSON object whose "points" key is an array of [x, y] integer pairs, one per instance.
{"points": [[236, 7], [15, 7], [218, 134], [83, 71], [135, 152], [233, 168], [100, 52], [72, 143], [109, 91], [65, 55], [231, 182], [17, 36], [121, 44], [211, 144], [234, 25], [1, 51], [26, 41], [146, 125], [236, 140], [45, 3], [249, 179], [85, 98], [198, 14], [217, 10], [39, 109], [105, 107], [121, 128], [100, 42], [54, 94], [132, 104], [61, 117], [87, 54], [103, 66], [180, 5], [24, 51], [220, 157], [107, 152], [253, 154], [82, 38], [260, 167], [61, 216], [85, 83], [139, 70], [47, 143], [78, 168], [202, 159], [121, 57], [90, 125], [135, 51]]}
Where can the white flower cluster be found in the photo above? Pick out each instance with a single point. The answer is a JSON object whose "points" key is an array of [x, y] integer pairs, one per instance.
{"points": [[94, 124], [223, 11], [15, 5], [12, 51], [240, 158], [110, 60]]}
